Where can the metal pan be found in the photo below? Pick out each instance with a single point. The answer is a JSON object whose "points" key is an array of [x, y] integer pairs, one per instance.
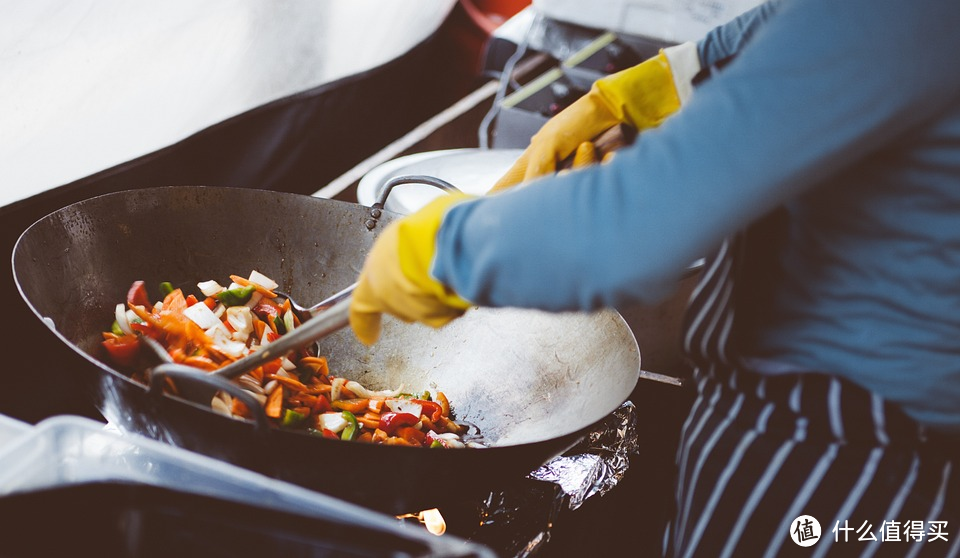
{"points": [[532, 382]]}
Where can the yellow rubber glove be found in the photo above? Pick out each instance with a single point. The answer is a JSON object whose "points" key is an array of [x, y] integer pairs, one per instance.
{"points": [[641, 96], [396, 279]]}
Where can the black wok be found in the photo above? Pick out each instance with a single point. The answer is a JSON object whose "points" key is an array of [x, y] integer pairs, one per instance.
{"points": [[532, 382]]}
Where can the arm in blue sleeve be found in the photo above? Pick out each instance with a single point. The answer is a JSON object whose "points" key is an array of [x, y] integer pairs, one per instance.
{"points": [[819, 88], [725, 41]]}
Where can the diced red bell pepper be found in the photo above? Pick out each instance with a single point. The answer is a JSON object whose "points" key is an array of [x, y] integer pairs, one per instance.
{"points": [[327, 433], [137, 295], [266, 309], [411, 435], [123, 350], [144, 328], [321, 405], [430, 408], [272, 367], [191, 300], [390, 422]]}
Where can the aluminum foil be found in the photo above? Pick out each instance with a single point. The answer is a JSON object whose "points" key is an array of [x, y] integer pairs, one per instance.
{"points": [[598, 462], [516, 521]]}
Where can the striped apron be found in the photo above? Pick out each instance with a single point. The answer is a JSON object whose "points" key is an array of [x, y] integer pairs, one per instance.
{"points": [[758, 451]]}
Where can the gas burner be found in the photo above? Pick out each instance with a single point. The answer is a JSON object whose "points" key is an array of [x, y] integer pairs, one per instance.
{"points": [[516, 520]]}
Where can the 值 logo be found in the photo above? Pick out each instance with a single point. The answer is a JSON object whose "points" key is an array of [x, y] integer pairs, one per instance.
{"points": [[805, 530]]}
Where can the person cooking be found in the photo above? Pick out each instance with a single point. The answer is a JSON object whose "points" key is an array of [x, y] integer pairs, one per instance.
{"points": [[818, 168]]}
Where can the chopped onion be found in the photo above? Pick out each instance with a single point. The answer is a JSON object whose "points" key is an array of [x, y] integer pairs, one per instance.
{"points": [[121, 314], [202, 316], [335, 386], [448, 439], [262, 280], [255, 299], [287, 364], [332, 421], [270, 386], [220, 336], [221, 406], [250, 384], [288, 320], [405, 406], [210, 288], [365, 393], [132, 317], [241, 319]]}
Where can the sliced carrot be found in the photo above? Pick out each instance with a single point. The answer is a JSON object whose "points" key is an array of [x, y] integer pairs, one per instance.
{"points": [[274, 403], [398, 441], [444, 404], [303, 399], [238, 408], [317, 364], [258, 327], [428, 424], [291, 383], [366, 437], [201, 362], [260, 288], [353, 405], [142, 313], [448, 425], [174, 302], [303, 410], [368, 422], [318, 389]]}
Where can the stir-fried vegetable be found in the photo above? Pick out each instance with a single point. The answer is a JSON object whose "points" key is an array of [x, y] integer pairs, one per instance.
{"points": [[297, 390]]}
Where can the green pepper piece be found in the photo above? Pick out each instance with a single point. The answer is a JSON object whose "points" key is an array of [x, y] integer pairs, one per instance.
{"points": [[426, 395], [166, 288], [352, 429], [115, 328], [235, 297], [281, 329], [436, 444], [292, 418]]}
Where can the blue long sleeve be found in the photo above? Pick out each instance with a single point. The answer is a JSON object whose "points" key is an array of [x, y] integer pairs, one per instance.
{"points": [[847, 114], [725, 41]]}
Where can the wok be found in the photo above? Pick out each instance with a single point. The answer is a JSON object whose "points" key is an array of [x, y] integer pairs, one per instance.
{"points": [[532, 382]]}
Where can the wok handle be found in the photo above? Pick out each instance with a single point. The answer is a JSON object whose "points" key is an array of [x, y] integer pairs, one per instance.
{"points": [[376, 210], [183, 374], [389, 185]]}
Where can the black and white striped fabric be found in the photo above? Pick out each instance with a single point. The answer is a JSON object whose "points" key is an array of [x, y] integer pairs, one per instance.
{"points": [[758, 451]]}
